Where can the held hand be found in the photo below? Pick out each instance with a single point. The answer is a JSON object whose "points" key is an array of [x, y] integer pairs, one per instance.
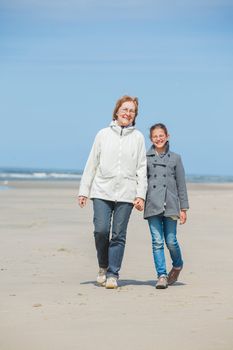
{"points": [[139, 203], [183, 217], [82, 201]]}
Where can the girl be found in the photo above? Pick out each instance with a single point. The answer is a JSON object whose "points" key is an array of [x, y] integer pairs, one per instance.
{"points": [[166, 202]]}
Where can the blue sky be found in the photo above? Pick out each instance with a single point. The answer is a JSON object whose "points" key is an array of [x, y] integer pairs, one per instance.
{"points": [[64, 63]]}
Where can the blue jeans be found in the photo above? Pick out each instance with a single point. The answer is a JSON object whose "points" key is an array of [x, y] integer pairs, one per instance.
{"points": [[164, 228], [110, 250]]}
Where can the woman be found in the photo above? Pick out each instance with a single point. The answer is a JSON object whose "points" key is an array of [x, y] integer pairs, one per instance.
{"points": [[115, 179]]}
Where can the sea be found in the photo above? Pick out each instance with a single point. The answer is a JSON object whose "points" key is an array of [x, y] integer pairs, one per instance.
{"points": [[32, 174], [21, 174]]}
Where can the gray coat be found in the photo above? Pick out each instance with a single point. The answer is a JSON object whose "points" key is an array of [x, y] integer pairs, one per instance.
{"points": [[167, 192]]}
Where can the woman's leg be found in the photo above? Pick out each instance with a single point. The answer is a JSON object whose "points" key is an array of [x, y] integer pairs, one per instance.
{"points": [[170, 229], [157, 235], [102, 224], [121, 217]]}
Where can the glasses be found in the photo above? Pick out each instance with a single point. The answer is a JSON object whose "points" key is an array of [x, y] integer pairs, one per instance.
{"points": [[160, 137], [126, 110]]}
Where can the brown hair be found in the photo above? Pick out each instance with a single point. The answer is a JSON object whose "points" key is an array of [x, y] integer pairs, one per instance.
{"points": [[158, 126], [119, 103]]}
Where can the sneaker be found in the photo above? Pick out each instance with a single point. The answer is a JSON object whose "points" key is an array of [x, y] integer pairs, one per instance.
{"points": [[111, 283], [162, 282], [173, 275], [101, 277]]}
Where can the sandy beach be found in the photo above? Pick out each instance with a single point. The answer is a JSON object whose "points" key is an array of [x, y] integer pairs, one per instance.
{"points": [[49, 298]]}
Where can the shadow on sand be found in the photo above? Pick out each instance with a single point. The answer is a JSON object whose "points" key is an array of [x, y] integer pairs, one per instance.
{"points": [[124, 283]]}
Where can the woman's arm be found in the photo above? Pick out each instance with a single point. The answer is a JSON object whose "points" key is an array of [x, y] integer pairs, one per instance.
{"points": [[141, 170], [90, 169]]}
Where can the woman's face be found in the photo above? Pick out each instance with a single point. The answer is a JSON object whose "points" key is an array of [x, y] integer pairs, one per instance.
{"points": [[126, 113]]}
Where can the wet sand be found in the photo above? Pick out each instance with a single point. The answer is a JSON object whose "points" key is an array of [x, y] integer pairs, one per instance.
{"points": [[49, 298]]}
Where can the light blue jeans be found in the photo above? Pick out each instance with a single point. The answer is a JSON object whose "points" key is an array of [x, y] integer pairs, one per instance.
{"points": [[110, 248], [164, 228]]}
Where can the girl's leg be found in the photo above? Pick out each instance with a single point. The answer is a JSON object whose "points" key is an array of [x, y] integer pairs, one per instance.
{"points": [[102, 224], [121, 217], [170, 229], [157, 235]]}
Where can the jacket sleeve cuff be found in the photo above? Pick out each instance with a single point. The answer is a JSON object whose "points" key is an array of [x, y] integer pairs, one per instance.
{"points": [[184, 205], [141, 194], [83, 192]]}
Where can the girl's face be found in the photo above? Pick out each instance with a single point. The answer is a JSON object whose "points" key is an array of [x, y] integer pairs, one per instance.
{"points": [[159, 139], [126, 113]]}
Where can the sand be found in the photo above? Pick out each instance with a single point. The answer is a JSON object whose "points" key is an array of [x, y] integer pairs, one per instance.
{"points": [[49, 298]]}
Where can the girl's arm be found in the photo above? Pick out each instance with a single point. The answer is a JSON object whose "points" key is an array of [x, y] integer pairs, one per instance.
{"points": [[181, 184], [183, 216]]}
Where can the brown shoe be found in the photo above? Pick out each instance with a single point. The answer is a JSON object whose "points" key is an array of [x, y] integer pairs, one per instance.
{"points": [[173, 275], [162, 282]]}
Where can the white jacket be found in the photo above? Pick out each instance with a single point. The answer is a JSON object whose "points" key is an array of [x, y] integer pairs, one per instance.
{"points": [[116, 167]]}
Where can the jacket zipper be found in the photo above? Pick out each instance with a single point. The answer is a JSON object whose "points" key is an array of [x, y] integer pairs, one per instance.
{"points": [[119, 159]]}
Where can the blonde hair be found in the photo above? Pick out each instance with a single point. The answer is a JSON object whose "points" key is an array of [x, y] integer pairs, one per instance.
{"points": [[119, 103]]}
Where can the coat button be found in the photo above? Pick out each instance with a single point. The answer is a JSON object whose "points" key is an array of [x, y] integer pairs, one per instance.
{"points": [[164, 185], [155, 175], [154, 186], [164, 175]]}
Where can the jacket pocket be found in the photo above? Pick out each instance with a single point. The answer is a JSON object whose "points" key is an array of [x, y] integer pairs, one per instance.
{"points": [[172, 202], [130, 177], [130, 184]]}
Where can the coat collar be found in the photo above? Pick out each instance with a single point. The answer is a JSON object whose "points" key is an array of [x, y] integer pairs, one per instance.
{"points": [[151, 151], [119, 130]]}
